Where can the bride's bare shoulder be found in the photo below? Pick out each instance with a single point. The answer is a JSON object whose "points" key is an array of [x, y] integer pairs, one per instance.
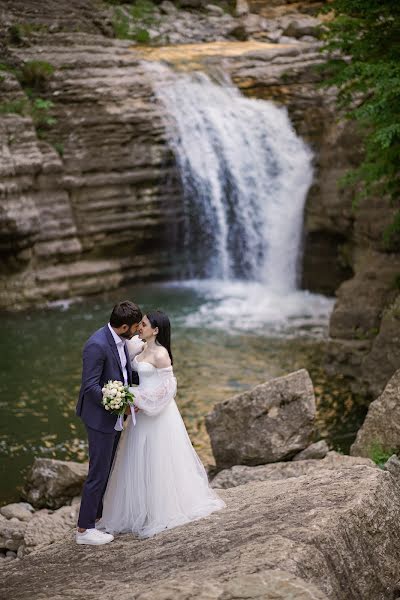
{"points": [[161, 358]]}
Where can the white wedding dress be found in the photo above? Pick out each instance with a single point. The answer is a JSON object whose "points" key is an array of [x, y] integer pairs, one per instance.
{"points": [[157, 480]]}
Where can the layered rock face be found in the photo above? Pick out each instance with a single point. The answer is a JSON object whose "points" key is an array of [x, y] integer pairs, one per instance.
{"points": [[90, 204], [95, 213]]}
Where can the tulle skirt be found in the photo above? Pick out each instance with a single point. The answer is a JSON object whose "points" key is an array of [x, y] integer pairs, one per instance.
{"points": [[157, 480]]}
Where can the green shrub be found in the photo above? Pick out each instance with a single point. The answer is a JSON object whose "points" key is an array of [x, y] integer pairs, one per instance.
{"points": [[59, 146], [15, 35], [142, 36], [34, 75], [37, 109], [143, 10], [378, 454], [364, 65], [120, 23], [40, 115], [19, 33], [134, 26], [21, 106]]}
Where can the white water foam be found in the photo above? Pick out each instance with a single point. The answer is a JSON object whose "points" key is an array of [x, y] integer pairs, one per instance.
{"points": [[234, 306]]}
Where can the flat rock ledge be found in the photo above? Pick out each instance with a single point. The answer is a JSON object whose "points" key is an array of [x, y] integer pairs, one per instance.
{"points": [[332, 535], [242, 474]]}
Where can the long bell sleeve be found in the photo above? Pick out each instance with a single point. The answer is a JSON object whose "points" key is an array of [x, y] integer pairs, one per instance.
{"points": [[154, 400]]}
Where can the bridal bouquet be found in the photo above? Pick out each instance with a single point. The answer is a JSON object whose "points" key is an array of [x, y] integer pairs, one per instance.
{"points": [[116, 397]]}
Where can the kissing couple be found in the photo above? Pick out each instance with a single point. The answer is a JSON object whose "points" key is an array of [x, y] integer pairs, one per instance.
{"points": [[148, 477]]}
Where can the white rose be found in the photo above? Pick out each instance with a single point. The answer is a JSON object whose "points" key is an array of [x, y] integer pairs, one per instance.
{"points": [[107, 407]]}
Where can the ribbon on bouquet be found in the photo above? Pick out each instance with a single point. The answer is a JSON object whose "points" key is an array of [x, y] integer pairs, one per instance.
{"points": [[119, 425]]}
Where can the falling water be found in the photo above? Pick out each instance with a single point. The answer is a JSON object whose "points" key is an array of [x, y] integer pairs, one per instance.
{"points": [[245, 175]]}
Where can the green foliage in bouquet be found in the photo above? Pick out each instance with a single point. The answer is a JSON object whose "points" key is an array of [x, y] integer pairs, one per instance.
{"points": [[363, 41]]}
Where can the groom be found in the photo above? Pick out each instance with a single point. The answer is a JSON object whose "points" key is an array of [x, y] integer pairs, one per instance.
{"points": [[105, 357]]}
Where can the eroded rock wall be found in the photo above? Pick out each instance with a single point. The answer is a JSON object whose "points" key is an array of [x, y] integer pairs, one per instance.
{"points": [[89, 205]]}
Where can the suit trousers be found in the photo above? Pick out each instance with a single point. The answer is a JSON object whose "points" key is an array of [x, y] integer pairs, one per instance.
{"points": [[102, 448]]}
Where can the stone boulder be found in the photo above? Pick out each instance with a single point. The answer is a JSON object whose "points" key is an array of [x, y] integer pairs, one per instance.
{"points": [[384, 357], [18, 510], [242, 8], [53, 483], [20, 535], [317, 450], [382, 423], [46, 527], [241, 474], [303, 25], [12, 532], [272, 422], [337, 531]]}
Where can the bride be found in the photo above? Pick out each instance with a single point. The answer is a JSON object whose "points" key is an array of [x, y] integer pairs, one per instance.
{"points": [[157, 480]]}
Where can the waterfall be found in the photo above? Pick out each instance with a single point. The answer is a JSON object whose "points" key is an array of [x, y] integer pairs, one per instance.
{"points": [[245, 176]]}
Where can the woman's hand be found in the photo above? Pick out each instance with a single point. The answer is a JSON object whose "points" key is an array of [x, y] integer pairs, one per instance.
{"points": [[128, 410]]}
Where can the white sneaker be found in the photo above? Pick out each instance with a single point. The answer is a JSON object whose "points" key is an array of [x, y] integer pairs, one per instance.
{"points": [[93, 537]]}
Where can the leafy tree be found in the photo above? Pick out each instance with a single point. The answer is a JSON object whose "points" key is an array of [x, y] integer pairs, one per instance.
{"points": [[363, 41]]}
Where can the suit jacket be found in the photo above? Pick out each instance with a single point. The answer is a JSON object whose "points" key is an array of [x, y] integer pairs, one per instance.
{"points": [[101, 362]]}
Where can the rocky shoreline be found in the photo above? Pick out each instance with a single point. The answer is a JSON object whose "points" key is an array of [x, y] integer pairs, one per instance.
{"points": [[317, 524], [62, 188]]}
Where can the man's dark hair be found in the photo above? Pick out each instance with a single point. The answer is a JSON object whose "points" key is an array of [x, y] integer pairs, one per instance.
{"points": [[125, 313]]}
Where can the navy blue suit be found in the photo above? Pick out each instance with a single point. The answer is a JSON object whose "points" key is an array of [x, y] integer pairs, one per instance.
{"points": [[101, 363]]}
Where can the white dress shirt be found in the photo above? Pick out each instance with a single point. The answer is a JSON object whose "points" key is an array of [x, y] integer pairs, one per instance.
{"points": [[120, 343]]}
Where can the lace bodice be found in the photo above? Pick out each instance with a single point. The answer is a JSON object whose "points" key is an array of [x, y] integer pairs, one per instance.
{"points": [[149, 375]]}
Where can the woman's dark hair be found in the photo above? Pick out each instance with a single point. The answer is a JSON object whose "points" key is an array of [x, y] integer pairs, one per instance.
{"points": [[125, 313], [159, 319]]}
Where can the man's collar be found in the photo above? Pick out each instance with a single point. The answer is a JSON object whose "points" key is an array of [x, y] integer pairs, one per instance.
{"points": [[117, 338]]}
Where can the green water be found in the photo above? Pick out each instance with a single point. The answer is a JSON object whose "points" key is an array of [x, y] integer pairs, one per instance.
{"points": [[41, 368]]}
